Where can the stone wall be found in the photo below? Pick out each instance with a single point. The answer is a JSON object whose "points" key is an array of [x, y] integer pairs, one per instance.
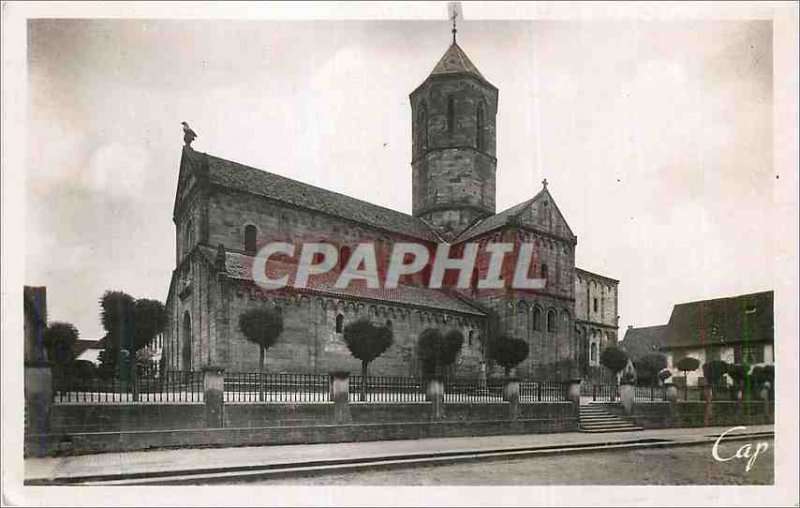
{"points": [[656, 415]]}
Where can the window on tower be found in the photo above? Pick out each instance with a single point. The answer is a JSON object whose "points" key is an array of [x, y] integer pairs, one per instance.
{"points": [[422, 126], [451, 115], [250, 239], [479, 120]]}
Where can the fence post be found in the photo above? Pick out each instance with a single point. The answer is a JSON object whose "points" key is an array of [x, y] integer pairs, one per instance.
{"points": [[340, 393], [214, 395], [512, 396], [38, 401], [435, 393]]}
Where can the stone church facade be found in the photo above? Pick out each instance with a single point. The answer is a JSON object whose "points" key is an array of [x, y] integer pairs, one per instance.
{"points": [[224, 211]]}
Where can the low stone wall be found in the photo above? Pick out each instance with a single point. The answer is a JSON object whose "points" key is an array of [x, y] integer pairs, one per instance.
{"points": [[657, 415], [67, 418], [309, 426]]}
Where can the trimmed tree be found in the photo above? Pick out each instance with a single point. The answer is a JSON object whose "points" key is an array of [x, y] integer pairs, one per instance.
{"points": [[437, 350], [714, 370], [59, 341], [648, 367], [117, 310], [367, 342], [261, 326], [614, 359], [508, 352], [687, 364]]}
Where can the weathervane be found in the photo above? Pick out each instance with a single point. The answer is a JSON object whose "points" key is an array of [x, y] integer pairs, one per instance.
{"points": [[454, 10]]}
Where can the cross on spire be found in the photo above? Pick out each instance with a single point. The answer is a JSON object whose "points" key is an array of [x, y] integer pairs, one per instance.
{"points": [[454, 9], [544, 183]]}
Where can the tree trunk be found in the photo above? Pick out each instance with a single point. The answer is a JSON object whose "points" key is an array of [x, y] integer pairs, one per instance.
{"points": [[364, 366], [261, 354]]}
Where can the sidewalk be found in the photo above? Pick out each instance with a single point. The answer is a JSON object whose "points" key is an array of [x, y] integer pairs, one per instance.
{"points": [[188, 460]]}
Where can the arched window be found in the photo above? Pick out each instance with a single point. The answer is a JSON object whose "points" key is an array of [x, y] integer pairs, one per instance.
{"points": [[389, 324], [479, 119], [551, 321], [339, 323], [593, 354], [188, 240], [537, 319], [250, 239], [451, 115], [470, 337], [543, 274]]}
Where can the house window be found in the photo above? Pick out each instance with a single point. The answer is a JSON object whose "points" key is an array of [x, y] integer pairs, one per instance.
{"points": [[594, 304], [551, 321], [250, 239], [339, 323], [537, 319], [752, 354]]}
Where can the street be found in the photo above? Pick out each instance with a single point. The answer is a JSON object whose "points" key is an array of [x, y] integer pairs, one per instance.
{"points": [[678, 465]]}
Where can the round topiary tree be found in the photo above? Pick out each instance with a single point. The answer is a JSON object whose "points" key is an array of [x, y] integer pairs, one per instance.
{"points": [[436, 350], [648, 367], [261, 326], [508, 352], [59, 341], [714, 370], [614, 359], [687, 364], [366, 342]]}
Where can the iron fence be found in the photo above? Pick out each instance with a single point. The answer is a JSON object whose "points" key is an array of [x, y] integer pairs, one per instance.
{"points": [[145, 384], [267, 387], [387, 389], [542, 391], [605, 393], [650, 394], [472, 390]]}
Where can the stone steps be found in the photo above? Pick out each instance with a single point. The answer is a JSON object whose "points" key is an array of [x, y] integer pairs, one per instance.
{"points": [[596, 419]]}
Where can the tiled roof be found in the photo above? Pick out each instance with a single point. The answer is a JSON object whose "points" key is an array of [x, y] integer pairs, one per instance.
{"points": [[239, 266], [492, 222], [643, 340], [722, 321], [83, 344], [455, 61], [255, 181]]}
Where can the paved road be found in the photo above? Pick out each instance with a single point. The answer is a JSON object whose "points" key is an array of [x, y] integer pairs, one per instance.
{"points": [[692, 465]]}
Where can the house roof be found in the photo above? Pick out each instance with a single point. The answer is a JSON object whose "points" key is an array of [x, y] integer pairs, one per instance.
{"points": [[455, 61], [244, 178], [643, 340], [239, 266], [85, 344], [731, 320]]}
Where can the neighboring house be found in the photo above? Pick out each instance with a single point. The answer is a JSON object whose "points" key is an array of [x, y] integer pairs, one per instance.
{"points": [[89, 350], [643, 340], [736, 329]]}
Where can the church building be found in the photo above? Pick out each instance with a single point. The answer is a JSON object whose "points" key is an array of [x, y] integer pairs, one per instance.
{"points": [[224, 211]]}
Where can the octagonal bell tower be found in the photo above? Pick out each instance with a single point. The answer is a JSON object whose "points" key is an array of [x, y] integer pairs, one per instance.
{"points": [[453, 134]]}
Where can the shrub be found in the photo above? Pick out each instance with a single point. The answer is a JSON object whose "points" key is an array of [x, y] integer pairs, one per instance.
{"points": [[437, 350], [508, 352], [613, 358], [714, 370], [648, 367], [59, 340], [366, 342], [261, 326]]}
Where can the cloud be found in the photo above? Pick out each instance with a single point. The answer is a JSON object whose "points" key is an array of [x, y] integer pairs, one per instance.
{"points": [[117, 170]]}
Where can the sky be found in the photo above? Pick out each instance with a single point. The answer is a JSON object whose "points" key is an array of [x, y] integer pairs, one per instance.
{"points": [[655, 138]]}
